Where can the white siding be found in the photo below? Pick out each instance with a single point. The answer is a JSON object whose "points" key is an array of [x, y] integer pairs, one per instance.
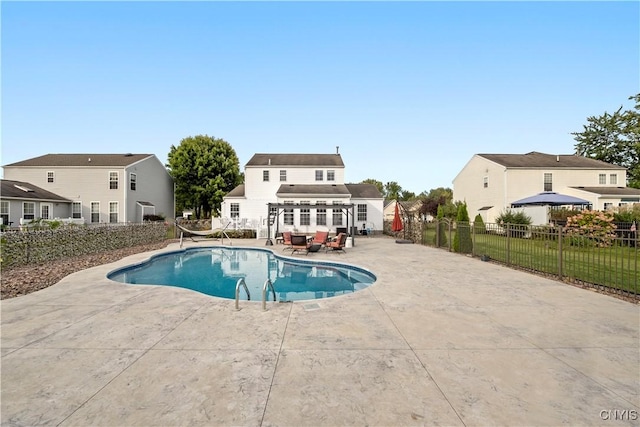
{"points": [[506, 185]]}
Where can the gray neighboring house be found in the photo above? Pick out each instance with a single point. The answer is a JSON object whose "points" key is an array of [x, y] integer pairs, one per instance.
{"points": [[102, 188], [22, 202]]}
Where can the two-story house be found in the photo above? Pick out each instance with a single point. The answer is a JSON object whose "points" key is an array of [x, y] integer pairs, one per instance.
{"points": [[312, 185], [101, 188], [489, 183]]}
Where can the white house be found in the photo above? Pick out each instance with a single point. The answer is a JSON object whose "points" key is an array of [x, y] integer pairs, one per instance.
{"points": [[489, 183], [312, 184], [102, 188]]}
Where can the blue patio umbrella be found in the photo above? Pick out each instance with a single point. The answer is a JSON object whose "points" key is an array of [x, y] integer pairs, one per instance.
{"points": [[550, 198]]}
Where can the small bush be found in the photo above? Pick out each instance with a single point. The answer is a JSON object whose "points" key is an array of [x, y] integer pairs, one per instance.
{"points": [[516, 218], [441, 235], [478, 225], [596, 226], [462, 239]]}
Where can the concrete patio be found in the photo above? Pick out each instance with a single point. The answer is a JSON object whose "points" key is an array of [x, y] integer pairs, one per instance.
{"points": [[439, 339]]}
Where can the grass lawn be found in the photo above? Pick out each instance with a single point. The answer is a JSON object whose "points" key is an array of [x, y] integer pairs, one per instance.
{"points": [[615, 266]]}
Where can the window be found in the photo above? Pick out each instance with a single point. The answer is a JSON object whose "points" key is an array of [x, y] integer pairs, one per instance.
{"points": [[608, 206], [28, 210], [4, 212], [331, 175], [305, 213], [95, 212], [319, 175], [50, 176], [265, 176], [321, 214], [235, 210], [76, 210], [362, 212], [45, 210], [602, 178], [283, 176], [288, 214], [613, 178], [548, 182], [113, 180], [133, 180], [485, 182], [337, 214], [113, 212]]}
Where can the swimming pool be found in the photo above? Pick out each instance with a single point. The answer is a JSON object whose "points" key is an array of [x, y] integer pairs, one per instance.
{"points": [[215, 271]]}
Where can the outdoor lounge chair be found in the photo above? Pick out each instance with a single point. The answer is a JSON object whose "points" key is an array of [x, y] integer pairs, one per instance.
{"points": [[321, 238], [299, 243], [286, 240], [337, 244]]}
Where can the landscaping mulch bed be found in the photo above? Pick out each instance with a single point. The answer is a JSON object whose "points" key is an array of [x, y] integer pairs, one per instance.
{"points": [[24, 280]]}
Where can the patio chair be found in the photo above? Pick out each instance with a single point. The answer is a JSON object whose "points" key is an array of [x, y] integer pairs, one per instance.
{"points": [[286, 240], [320, 238], [337, 244], [299, 243]]}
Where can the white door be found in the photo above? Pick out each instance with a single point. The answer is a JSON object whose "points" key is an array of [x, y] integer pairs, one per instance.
{"points": [[46, 210]]}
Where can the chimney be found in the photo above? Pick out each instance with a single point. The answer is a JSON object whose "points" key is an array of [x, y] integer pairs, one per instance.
{"points": [[557, 158], [269, 162], [337, 149]]}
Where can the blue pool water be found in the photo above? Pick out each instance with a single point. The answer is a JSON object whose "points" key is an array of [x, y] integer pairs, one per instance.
{"points": [[215, 271]]}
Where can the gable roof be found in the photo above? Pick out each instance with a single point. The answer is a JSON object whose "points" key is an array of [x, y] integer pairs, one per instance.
{"points": [[236, 192], [611, 191], [364, 191], [321, 160], [313, 190], [83, 160], [21, 190], [535, 159]]}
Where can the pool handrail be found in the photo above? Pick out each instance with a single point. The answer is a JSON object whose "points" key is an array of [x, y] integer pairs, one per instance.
{"points": [[244, 284], [267, 284]]}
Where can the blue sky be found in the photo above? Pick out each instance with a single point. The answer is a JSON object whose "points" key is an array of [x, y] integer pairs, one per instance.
{"points": [[409, 91]]}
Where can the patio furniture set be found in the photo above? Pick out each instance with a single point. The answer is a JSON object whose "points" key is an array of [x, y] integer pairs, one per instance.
{"points": [[304, 244]]}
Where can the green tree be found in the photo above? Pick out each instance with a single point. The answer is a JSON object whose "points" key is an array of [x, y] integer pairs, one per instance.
{"points": [[614, 138], [478, 225], [392, 191], [204, 170], [462, 238], [441, 237], [379, 185], [437, 197]]}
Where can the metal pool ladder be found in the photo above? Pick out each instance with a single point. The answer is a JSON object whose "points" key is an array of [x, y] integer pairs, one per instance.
{"points": [[241, 282], [267, 285]]}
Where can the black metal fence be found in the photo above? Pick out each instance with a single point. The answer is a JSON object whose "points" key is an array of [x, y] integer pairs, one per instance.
{"points": [[608, 263]]}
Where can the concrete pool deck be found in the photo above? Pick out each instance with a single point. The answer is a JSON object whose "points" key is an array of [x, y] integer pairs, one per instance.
{"points": [[439, 339]]}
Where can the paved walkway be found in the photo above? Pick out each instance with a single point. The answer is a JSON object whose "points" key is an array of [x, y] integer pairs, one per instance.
{"points": [[439, 339]]}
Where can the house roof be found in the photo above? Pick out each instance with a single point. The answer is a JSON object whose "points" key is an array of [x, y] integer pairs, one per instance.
{"points": [[25, 191], [313, 190], [535, 159], [364, 191], [320, 160], [83, 160], [236, 192], [611, 191]]}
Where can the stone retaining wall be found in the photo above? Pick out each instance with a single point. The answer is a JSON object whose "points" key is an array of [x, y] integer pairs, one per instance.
{"points": [[20, 248]]}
